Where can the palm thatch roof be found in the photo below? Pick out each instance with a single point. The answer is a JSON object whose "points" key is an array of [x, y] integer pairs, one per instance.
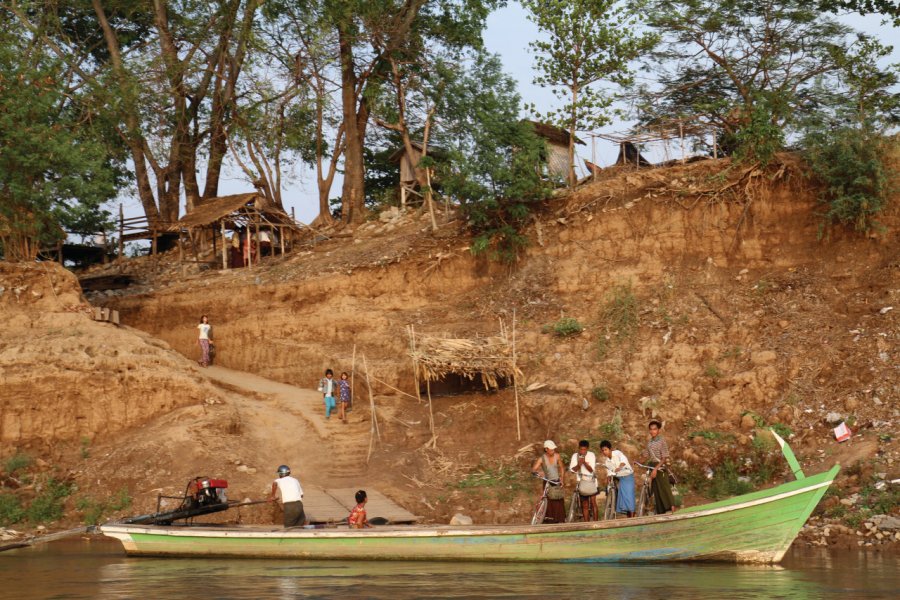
{"points": [[491, 358], [236, 210]]}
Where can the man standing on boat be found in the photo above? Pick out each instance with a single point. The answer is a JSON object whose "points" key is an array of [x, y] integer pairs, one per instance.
{"points": [[288, 489]]}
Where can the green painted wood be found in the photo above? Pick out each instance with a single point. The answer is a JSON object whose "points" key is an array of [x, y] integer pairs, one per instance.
{"points": [[757, 527]]}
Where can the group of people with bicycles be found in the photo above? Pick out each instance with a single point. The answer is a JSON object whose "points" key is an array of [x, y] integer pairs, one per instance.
{"points": [[656, 492]]}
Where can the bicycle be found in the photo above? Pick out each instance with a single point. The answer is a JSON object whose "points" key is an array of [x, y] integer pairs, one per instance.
{"points": [[612, 492], [540, 508], [575, 513], [645, 500]]}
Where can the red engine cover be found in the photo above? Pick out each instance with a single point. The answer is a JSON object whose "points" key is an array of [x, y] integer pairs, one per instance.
{"points": [[218, 483]]}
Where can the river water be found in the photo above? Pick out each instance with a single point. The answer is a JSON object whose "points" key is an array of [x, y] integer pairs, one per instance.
{"points": [[97, 568]]}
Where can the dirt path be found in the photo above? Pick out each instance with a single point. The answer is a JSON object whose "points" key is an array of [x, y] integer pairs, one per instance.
{"points": [[330, 450]]}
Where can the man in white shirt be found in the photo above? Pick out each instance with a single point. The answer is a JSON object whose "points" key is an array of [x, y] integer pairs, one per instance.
{"points": [[584, 465], [617, 465], [288, 489]]}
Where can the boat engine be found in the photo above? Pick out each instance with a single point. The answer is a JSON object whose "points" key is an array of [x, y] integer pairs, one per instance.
{"points": [[202, 496], [205, 491]]}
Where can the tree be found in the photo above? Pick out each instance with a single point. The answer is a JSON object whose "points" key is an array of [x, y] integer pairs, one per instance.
{"points": [[494, 166], [846, 143], [749, 69], [171, 70], [56, 170], [587, 42], [889, 8]]}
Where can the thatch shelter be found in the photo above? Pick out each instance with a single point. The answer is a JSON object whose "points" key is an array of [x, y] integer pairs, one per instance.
{"points": [[491, 359], [248, 215]]}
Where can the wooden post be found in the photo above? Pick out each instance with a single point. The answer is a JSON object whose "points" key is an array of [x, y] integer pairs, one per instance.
{"points": [[215, 251], [352, 372], [121, 231], [281, 237], [258, 244], [153, 241], [430, 414], [373, 426], [224, 245], [402, 196], [681, 135], [412, 344], [515, 380], [59, 251]]}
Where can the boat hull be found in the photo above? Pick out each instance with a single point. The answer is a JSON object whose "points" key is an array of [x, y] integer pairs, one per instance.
{"points": [[755, 528]]}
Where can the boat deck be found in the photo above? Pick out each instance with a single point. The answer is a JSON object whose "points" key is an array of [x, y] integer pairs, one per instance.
{"points": [[333, 505]]}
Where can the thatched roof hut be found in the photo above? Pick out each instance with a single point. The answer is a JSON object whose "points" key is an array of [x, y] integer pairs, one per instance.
{"points": [[238, 210], [490, 358]]}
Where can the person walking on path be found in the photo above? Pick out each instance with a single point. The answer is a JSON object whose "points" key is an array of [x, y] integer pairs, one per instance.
{"points": [[205, 340], [658, 451], [357, 518], [584, 465], [289, 491], [551, 464], [344, 396], [617, 466], [328, 386]]}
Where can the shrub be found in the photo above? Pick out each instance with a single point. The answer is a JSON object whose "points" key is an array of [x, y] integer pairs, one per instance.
{"points": [[613, 430], [712, 371], [618, 317], [94, 510], [47, 506], [726, 482], [11, 510], [17, 462], [565, 327], [849, 162], [600, 393]]}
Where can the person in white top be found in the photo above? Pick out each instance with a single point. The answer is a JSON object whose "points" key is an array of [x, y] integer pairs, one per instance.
{"points": [[205, 340], [584, 465], [290, 492], [617, 466]]}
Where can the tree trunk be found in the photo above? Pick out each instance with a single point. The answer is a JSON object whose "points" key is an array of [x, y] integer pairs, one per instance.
{"points": [[353, 191]]}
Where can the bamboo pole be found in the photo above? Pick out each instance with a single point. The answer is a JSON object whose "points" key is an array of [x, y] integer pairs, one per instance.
{"points": [[430, 414], [412, 343], [515, 380], [352, 373], [225, 246], [281, 239], [121, 231], [373, 426]]}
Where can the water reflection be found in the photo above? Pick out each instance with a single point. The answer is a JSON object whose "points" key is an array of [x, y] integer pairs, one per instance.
{"points": [[98, 569]]}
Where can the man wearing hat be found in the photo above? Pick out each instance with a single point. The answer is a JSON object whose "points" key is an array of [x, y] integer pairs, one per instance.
{"points": [[288, 489], [552, 466]]}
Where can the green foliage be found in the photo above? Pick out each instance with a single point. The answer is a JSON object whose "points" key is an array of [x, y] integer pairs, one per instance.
{"points": [[47, 506], [614, 429], [600, 393], [753, 70], [888, 8], [782, 430], [726, 482], [11, 510], [712, 371], [850, 165], [94, 510], [619, 319], [758, 421], [17, 462], [712, 436], [55, 169], [565, 327], [499, 480], [493, 159], [761, 135]]}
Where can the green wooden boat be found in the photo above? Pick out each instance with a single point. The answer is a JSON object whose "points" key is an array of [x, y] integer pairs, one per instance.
{"points": [[753, 528]]}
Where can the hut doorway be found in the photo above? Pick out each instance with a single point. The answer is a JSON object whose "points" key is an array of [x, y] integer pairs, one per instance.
{"points": [[453, 384]]}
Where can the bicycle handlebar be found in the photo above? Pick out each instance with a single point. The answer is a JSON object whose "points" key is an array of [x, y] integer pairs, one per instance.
{"points": [[649, 468], [550, 481]]}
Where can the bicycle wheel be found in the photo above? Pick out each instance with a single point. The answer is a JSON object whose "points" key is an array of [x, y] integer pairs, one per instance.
{"points": [[643, 501], [539, 511], [610, 508], [573, 507]]}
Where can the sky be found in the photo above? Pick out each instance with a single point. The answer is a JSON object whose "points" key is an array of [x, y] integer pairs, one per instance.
{"points": [[508, 33]]}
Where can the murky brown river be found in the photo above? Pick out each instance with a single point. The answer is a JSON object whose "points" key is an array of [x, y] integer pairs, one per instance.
{"points": [[98, 568]]}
